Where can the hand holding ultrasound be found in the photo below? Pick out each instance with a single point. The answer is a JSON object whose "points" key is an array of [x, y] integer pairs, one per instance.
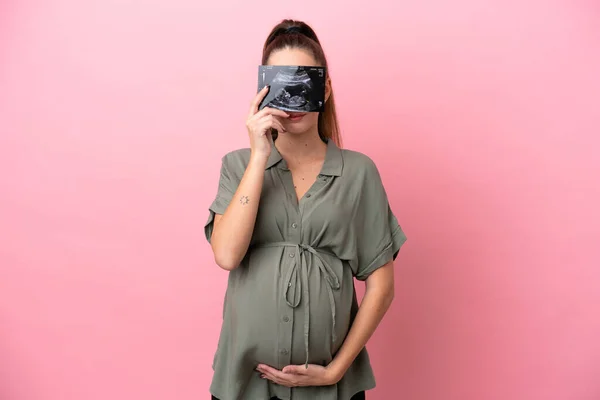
{"points": [[260, 123], [293, 88]]}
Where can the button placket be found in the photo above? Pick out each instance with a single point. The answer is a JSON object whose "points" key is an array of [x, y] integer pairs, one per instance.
{"points": [[286, 315], [319, 183], [285, 336]]}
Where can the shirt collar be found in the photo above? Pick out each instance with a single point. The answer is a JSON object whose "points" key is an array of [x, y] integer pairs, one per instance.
{"points": [[332, 166]]}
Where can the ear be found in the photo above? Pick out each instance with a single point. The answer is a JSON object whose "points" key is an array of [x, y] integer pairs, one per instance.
{"points": [[327, 88]]}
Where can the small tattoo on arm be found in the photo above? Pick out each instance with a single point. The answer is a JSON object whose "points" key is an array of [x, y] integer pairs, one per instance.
{"points": [[244, 200]]}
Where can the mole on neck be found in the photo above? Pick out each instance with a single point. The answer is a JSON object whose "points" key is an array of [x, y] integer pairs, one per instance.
{"points": [[303, 148]]}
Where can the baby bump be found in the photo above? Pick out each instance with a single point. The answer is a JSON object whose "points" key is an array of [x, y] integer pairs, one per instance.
{"points": [[273, 301]]}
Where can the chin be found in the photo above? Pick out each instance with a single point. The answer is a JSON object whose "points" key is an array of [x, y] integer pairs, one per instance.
{"points": [[306, 124], [297, 130]]}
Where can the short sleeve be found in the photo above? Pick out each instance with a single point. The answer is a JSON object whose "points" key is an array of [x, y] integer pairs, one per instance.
{"points": [[379, 235], [227, 187]]}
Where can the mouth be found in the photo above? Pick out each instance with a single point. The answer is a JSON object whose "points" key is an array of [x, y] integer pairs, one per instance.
{"points": [[295, 117]]}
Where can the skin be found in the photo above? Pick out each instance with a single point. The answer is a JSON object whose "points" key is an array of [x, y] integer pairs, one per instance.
{"points": [[300, 145]]}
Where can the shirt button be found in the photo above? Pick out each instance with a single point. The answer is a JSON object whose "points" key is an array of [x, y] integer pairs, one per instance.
{"points": [[284, 351], [294, 225], [286, 319], [308, 196], [292, 255]]}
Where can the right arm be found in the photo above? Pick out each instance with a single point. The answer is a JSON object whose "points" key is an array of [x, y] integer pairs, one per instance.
{"points": [[232, 231]]}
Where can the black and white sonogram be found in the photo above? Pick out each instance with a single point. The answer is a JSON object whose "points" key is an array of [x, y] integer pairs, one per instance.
{"points": [[293, 88]]}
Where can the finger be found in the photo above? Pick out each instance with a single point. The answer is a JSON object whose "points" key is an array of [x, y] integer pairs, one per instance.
{"points": [[278, 381], [285, 382], [271, 122], [268, 370], [295, 369], [278, 125], [289, 379], [272, 111], [257, 99], [261, 115]]}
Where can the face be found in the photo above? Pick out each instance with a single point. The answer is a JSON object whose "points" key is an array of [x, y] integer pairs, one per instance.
{"points": [[298, 122]]}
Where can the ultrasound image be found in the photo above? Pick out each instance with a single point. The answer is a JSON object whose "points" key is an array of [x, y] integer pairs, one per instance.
{"points": [[293, 88]]}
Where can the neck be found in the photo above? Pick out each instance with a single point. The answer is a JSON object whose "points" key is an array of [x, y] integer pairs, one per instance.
{"points": [[301, 148]]}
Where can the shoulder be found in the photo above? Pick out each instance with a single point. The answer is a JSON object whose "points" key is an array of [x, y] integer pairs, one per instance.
{"points": [[363, 177], [236, 161], [359, 165]]}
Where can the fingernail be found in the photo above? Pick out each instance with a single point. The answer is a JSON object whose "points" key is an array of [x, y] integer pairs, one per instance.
{"points": [[262, 376]]}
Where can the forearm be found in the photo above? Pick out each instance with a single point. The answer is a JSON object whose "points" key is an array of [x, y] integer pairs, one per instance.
{"points": [[376, 301], [233, 230]]}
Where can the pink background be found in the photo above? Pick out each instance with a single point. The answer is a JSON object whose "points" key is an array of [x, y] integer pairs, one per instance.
{"points": [[483, 117]]}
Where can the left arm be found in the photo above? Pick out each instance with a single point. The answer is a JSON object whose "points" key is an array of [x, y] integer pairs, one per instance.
{"points": [[376, 301]]}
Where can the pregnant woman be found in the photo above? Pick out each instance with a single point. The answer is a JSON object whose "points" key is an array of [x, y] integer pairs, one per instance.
{"points": [[295, 220]]}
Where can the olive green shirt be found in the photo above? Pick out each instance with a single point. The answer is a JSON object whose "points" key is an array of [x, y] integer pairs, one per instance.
{"points": [[292, 299]]}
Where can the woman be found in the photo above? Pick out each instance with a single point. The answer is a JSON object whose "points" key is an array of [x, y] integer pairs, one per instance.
{"points": [[295, 219]]}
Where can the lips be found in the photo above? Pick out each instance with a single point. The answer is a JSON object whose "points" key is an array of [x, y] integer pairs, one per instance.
{"points": [[294, 117]]}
